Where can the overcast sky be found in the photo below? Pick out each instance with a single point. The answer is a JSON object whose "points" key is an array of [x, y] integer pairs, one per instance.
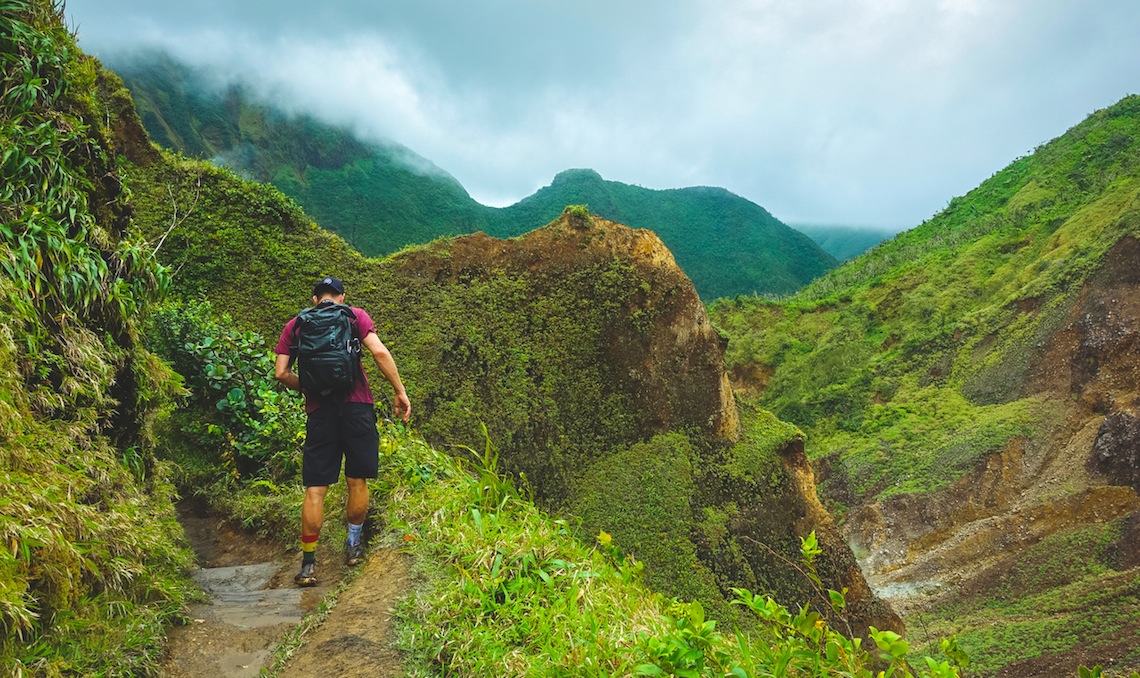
{"points": [[862, 112]]}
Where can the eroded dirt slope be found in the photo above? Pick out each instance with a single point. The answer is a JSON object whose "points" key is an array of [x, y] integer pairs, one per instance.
{"points": [[1006, 530]]}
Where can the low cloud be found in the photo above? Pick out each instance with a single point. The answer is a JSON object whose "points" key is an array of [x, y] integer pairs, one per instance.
{"points": [[826, 111]]}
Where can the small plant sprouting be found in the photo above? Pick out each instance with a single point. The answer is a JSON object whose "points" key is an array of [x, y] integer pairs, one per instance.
{"points": [[578, 216], [629, 568]]}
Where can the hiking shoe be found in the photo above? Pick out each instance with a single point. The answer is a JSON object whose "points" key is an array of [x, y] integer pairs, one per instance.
{"points": [[307, 576], [353, 554]]}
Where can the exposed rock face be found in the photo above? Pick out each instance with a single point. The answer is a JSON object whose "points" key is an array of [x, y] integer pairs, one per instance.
{"points": [[866, 609], [1085, 472], [655, 364], [659, 344], [1116, 452]]}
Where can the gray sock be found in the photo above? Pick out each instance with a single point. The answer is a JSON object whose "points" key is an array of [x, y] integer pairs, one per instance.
{"points": [[354, 533]]}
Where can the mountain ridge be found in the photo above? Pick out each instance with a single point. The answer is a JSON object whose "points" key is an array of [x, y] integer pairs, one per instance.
{"points": [[359, 191]]}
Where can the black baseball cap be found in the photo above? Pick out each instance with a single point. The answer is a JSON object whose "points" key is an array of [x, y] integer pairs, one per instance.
{"points": [[328, 283]]}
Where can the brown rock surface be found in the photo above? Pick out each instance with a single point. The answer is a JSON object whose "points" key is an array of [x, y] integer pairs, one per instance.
{"points": [[918, 549]]}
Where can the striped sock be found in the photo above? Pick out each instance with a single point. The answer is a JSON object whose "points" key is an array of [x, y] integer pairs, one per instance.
{"points": [[354, 533], [308, 548]]}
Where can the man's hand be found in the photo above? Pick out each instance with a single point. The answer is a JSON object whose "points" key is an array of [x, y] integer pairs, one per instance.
{"points": [[403, 406]]}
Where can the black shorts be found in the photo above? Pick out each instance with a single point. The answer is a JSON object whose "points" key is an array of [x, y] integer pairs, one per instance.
{"points": [[336, 431]]}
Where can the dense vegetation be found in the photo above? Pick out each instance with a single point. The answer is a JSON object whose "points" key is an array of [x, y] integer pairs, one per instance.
{"points": [[908, 367], [90, 571], [381, 198]]}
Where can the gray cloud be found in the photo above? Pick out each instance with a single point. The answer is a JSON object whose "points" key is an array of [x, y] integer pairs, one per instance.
{"points": [[870, 112]]}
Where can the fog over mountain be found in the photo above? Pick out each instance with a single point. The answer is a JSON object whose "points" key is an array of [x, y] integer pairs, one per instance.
{"points": [[825, 111]]}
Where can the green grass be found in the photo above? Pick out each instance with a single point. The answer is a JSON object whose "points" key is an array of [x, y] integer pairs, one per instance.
{"points": [[1067, 594], [910, 363]]}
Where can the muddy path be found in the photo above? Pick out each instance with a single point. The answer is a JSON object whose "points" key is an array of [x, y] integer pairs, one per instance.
{"points": [[253, 604], [356, 639]]}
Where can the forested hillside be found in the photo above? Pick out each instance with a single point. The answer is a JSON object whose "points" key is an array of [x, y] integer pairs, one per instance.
{"points": [[725, 243], [966, 389], [381, 198], [378, 197]]}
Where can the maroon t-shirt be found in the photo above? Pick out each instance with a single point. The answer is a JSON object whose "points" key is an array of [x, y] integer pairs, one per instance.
{"points": [[361, 392]]}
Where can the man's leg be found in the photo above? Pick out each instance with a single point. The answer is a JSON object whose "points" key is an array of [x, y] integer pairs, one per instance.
{"points": [[356, 511], [313, 509], [320, 467], [357, 507], [312, 515], [361, 444]]}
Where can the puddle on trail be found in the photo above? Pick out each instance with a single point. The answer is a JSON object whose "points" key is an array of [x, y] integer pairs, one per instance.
{"points": [[253, 601]]}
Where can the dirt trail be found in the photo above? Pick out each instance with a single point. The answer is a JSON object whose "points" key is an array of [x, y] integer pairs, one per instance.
{"points": [[356, 639], [254, 604]]}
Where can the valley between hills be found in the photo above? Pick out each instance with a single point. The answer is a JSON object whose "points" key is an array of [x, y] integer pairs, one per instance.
{"points": [[922, 460]]}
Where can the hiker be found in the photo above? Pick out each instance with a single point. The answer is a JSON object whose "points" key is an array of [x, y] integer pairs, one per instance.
{"points": [[341, 418]]}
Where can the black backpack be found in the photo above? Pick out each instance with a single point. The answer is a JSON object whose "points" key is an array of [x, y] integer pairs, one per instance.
{"points": [[327, 350]]}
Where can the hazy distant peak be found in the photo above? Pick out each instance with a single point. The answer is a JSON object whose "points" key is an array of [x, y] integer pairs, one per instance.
{"points": [[577, 175]]}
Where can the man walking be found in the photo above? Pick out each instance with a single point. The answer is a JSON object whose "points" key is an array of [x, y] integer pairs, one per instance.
{"points": [[341, 424]]}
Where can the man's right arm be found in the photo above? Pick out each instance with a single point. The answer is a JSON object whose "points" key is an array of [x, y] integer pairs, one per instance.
{"points": [[284, 373]]}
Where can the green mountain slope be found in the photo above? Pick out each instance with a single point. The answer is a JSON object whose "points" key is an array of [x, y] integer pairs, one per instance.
{"points": [[725, 243], [844, 242], [383, 197], [955, 305], [380, 197], [953, 383]]}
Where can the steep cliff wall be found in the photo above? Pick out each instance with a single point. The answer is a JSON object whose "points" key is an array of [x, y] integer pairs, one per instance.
{"points": [[91, 567], [600, 310]]}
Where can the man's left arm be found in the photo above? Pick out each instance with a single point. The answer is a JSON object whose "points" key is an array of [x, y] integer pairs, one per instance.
{"points": [[387, 365], [284, 373]]}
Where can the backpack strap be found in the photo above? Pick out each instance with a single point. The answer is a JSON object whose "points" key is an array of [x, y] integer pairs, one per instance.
{"points": [[295, 346]]}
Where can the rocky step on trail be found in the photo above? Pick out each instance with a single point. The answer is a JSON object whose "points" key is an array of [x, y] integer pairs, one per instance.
{"points": [[253, 604]]}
